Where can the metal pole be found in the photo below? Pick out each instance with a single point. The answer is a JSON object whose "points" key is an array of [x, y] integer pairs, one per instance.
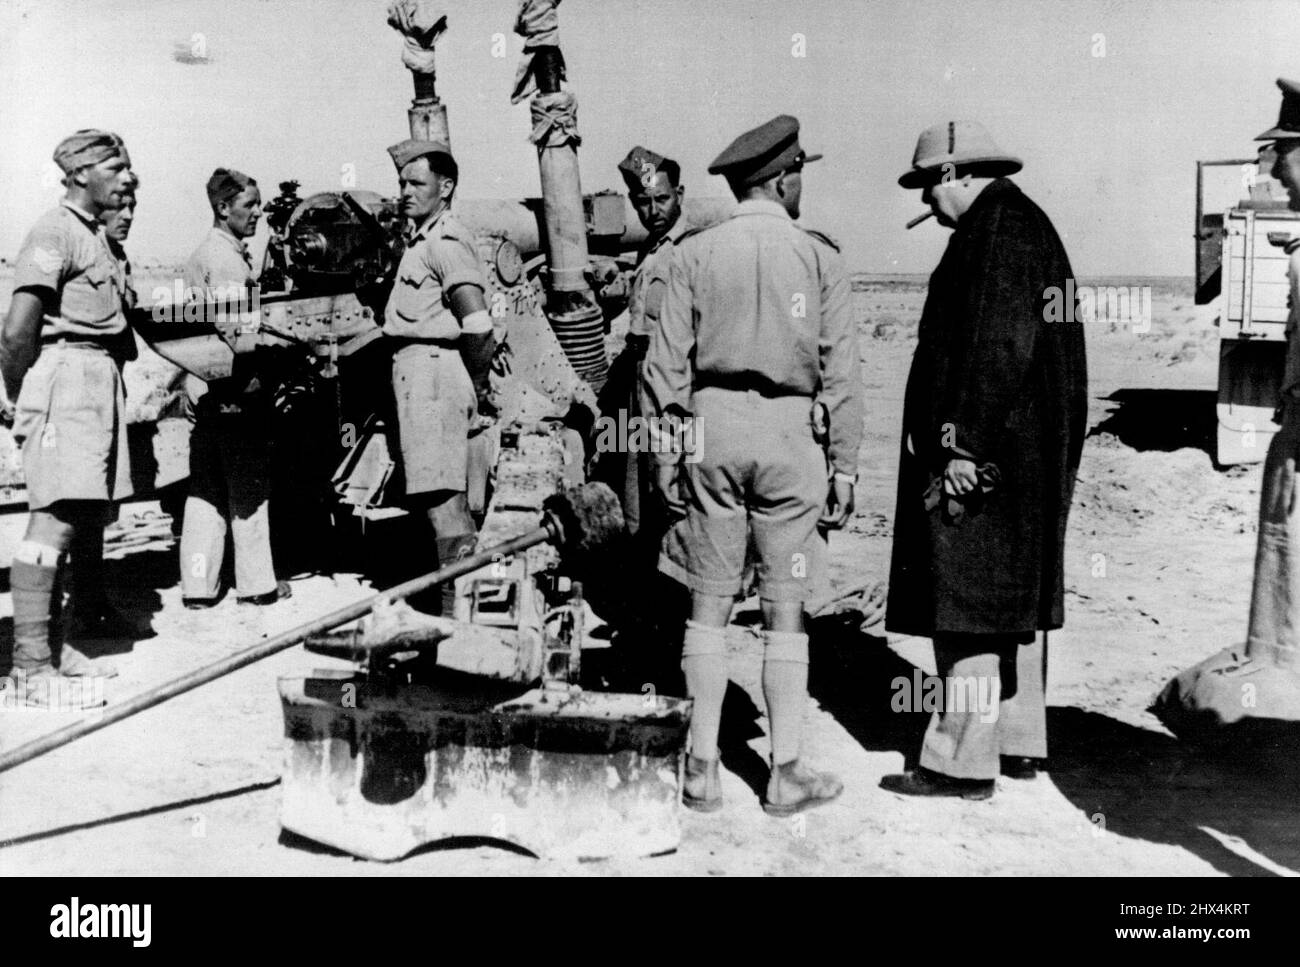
{"points": [[427, 115], [571, 306], [156, 696], [566, 220]]}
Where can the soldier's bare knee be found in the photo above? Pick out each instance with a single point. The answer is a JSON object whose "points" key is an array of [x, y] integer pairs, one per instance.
{"points": [[782, 615], [713, 610], [50, 528]]}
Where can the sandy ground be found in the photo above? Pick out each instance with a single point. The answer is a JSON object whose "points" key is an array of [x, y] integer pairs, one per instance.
{"points": [[1158, 576]]}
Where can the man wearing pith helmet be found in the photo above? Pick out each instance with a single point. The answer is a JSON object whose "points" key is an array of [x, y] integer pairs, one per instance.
{"points": [[438, 322], [755, 324], [993, 424], [62, 349]]}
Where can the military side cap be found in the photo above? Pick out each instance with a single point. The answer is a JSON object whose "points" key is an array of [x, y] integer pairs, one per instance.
{"points": [[1288, 122], [226, 184], [955, 145], [404, 152], [763, 152], [88, 146], [640, 166]]}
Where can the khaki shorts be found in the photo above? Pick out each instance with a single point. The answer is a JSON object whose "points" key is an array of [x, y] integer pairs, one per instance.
{"points": [[760, 472], [435, 405], [70, 420]]}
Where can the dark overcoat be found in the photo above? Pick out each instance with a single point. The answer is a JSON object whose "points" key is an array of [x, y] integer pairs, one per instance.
{"points": [[1000, 377]]}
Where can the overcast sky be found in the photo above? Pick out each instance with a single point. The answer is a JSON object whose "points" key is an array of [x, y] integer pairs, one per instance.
{"points": [[287, 88]]}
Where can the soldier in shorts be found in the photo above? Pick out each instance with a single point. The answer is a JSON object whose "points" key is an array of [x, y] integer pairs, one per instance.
{"points": [[441, 332], [62, 349], [755, 324], [90, 614]]}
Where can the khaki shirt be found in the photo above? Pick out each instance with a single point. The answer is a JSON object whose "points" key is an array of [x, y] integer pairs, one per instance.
{"points": [[1291, 374], [650, 282], [757, 302], [67, 253], [439, 256], [220, 267], [221, 270]]}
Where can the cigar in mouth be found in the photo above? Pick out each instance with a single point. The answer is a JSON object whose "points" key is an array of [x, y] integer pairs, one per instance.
{"points": [[919, 219]]}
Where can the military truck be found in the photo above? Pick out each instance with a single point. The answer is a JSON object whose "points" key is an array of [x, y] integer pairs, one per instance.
{"points": [[1241, 260]]}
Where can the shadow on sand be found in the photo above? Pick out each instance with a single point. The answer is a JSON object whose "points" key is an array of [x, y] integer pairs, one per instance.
{"points": [[132, 587], [1161, 419], [1235, 811]]}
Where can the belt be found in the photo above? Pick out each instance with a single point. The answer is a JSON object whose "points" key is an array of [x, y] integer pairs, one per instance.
{"points": [[107, 344], [401, 341], [747, 383]]}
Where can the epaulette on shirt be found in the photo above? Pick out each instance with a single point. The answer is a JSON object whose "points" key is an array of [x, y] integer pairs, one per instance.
{"points": [[690, 232], [451, 227], [822, 237]]}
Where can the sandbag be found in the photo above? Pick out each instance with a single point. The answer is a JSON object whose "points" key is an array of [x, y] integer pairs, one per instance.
{"points": [[1230, 698]]}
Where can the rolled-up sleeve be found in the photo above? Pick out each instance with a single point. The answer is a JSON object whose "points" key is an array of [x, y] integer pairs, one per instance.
{"points": [[841, 365], [44, 257], [454, 262]]}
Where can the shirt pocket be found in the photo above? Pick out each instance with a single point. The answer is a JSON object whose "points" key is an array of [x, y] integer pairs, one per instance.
{"points": [[92, 296], [416, 295]]}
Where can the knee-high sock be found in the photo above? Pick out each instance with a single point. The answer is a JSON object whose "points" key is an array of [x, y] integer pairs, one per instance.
{"points": [[86, 567], [785, 688], [704, 662], [33, 592]]}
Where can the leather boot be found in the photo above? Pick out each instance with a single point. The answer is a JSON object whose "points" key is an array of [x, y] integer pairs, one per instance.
{"points": [[793, 787], [76, 664], [702, 786]]}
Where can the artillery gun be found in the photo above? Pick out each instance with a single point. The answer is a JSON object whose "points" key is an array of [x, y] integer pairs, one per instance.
{"points": [[477, 723]]}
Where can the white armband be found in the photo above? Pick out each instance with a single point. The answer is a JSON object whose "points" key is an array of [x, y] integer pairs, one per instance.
{"points": [[476, 323], [33, 552]]}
